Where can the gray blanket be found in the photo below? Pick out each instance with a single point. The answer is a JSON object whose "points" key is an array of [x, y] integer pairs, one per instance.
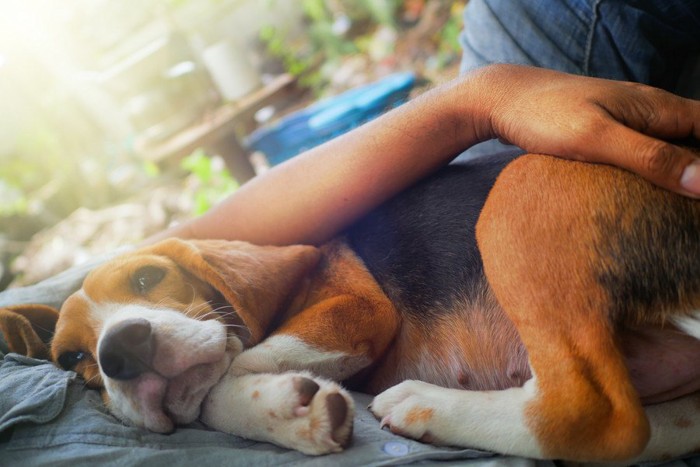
{"points": [[48, 417]]}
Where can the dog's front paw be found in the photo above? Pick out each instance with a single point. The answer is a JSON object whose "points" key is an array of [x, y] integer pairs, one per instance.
{"points": [[322, 417], [408, 409], [294, 410]]}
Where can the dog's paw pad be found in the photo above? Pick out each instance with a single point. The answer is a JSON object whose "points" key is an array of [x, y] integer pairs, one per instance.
{"points": [[337, 408], [310, 414], [328, 419], [306, 390]]}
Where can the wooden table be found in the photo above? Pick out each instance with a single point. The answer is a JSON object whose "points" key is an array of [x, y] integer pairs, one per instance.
{"points": [[216, 132]]}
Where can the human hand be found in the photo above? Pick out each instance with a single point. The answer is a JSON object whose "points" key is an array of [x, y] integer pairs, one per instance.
{"points": [[628, 125]]}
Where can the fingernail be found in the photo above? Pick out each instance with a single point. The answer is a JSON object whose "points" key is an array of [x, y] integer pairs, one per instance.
{"points": [[690, 180]]}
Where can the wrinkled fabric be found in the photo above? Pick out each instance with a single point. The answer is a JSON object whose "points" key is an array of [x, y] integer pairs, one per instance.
{"points": [[48, 417], [646, 41], [33, 391], [654, 42]]}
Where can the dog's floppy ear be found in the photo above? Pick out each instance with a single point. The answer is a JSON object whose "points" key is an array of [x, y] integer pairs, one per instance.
{"points": [[255, 280], [28, 329]]}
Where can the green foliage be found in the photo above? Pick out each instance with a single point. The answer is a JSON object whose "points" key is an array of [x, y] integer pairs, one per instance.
{"points": [[375, 11], [322, 42], [35, 163], [276, 46], [449, 36], [14, 200], [448, 40], [151, 169], [211, 183], [313, 57]]}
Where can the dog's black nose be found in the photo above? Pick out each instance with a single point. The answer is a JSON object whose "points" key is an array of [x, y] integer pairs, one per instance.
{"points": [[126, 349]]}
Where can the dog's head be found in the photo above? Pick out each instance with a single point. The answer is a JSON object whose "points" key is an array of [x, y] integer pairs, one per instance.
{"points": [[158, 327]]}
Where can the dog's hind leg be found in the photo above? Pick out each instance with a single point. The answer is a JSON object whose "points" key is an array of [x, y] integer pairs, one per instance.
{"points": [[497, 420], [538, 238]]}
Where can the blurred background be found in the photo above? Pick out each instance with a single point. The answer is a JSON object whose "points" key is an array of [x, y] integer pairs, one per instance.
{"points": [[121, 117]]}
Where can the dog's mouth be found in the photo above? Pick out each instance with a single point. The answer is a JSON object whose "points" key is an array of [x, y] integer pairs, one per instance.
{"points": [[157, 371], [158, 403]]}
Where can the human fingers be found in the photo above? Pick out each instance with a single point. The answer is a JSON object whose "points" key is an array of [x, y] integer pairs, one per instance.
{"points": [[644, 116], [663, 163], [653, 111], [627, 125]]}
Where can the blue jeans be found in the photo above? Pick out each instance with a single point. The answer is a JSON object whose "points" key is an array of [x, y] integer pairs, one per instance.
{"points": [[647, 41]]}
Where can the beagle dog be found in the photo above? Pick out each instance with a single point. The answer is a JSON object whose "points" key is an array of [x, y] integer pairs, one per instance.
{"points": [[534, 307]]}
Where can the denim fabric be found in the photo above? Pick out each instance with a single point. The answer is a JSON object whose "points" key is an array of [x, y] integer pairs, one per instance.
{"points": [[647, 41], [35, 393], [643, 41], [48, 417]]}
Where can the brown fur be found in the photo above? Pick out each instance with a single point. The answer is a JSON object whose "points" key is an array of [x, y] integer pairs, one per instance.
{"points": [[342, 308], [552, 245], [27, 328]]}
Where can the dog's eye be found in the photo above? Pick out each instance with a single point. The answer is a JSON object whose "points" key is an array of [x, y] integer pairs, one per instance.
{"points": [[69, 360], [146, 278]]}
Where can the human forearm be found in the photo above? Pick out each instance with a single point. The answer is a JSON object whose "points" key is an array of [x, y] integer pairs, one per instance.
{"points": [[315, 195]]}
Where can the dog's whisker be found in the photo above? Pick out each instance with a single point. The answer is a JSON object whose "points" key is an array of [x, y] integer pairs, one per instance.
{"points": [[225, 314], [217, 312], [193, 311], [88, 381], [191, 307]]}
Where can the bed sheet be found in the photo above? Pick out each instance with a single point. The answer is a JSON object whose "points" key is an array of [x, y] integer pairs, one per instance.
{"points": [[48, 417]]}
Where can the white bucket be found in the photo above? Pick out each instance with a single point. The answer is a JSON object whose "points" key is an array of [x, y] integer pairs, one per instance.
{"points": [[232, 72]]}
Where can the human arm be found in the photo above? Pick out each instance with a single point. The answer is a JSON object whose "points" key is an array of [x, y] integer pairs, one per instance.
{"points": [[313, 196]]}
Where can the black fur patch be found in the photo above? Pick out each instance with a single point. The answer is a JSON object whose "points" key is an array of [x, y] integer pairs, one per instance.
{"points": [[421, 245], [650, 254]]}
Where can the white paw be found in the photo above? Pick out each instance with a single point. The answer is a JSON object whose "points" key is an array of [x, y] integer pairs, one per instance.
{"points": [[409, 410], [491, 420], [294, 410]]}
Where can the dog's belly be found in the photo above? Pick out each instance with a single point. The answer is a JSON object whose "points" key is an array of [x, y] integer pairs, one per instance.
{"points": [[662, 363], [477, 348], [470, 346]]}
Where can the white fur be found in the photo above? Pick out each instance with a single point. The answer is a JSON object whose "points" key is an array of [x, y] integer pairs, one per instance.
{"points": [[675, 430], [280, 353], [690, 324], [492, 420], [266, 407]]}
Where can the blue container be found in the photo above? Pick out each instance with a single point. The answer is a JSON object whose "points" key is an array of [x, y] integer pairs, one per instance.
{"points": [[329, 118]]}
